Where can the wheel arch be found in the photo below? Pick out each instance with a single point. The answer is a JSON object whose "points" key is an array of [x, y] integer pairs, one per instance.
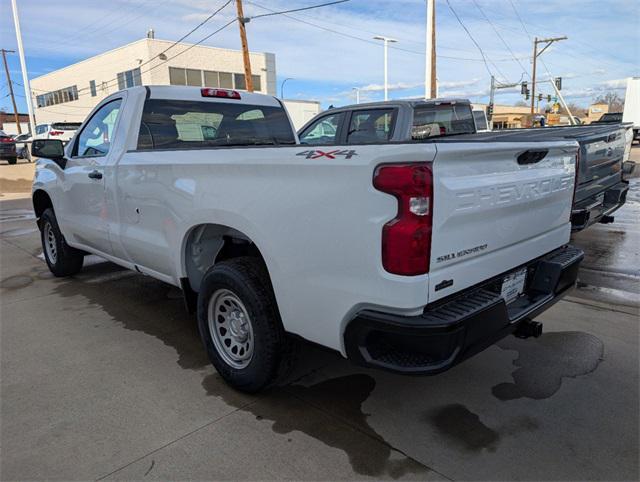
{"points": [[206, 244], [41, 202]]}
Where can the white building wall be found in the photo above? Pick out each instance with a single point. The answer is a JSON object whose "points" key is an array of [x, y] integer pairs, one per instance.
{"points": [[103, 69], [301, 111]]}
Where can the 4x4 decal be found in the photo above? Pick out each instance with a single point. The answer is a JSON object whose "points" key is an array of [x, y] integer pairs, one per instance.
{"points": [[315, 154]]}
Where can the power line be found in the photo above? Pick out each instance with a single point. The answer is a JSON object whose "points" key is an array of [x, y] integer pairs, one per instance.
{"points": [[192, 30], [299, 9], [500, 37], [472, 39], [369, 41], [110, 82]]}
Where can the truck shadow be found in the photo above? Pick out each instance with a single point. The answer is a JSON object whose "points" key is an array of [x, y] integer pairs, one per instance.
{"points": [[325, 395]]}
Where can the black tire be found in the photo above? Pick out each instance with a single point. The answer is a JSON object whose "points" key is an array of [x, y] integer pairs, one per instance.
{"points": [[12, 160], [272, 352], [67, 261]]}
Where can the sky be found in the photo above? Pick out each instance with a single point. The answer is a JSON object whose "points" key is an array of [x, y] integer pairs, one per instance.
{"points": [[327, 52]]}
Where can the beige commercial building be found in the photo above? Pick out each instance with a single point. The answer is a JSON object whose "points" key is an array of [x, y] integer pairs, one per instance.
{"points": [[508, 116], [69, 94]]}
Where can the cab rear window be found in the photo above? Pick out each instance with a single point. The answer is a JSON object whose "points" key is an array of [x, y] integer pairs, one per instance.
{"points": [[446, 119], [177, 124]]}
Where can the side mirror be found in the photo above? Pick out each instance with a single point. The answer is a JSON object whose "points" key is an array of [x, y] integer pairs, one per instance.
{"points": [[49, 149]]}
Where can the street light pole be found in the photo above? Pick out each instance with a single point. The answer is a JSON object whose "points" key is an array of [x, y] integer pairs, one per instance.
{"points": [[282, 86], [386, 41], [23, 66], [430, 53], [357, 94]]}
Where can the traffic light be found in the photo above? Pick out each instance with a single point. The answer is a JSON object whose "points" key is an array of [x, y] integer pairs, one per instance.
{"points": [[558, 81], [549, 98], [539, 97], [490, 111], [527, 94], [524, 88]]}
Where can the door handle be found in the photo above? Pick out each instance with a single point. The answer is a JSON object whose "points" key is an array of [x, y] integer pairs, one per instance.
{"points": [[95, 175]]}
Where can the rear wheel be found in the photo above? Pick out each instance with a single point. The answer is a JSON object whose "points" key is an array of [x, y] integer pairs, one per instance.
{"points": [[240, 325], [62, 259], [12, 160]]}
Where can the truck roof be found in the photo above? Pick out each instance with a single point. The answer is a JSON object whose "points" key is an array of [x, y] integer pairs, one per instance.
{"points": [[406, 102], [180, 92]]}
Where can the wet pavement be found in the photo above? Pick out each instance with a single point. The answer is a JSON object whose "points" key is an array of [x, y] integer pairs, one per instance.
{"points": [[103, 376]]}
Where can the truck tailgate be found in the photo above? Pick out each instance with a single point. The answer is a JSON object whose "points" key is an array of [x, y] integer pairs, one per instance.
{"points": [[496, 206]]}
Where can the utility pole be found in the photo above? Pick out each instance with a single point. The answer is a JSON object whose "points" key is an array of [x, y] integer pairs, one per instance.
{"points": [[23, 66], [10, 84], [386, 41], [357, 91], [492, 95], [536, 54], [430, 91], [245, 46]]}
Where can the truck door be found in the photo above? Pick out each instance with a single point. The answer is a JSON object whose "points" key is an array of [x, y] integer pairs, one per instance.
{"points": [[85, 211]]}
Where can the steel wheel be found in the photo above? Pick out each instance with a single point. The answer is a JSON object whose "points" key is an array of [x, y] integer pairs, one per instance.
{"points": [[50, 243], [230, 328]]}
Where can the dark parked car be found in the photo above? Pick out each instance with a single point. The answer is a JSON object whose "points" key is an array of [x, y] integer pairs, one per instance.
{"points": [[8, 148], [609, 118]]}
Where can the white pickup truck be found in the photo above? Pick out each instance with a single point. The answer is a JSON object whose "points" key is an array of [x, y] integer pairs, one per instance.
{"points": [[407, 256]]}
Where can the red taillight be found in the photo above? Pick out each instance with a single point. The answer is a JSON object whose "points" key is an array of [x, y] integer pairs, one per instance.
{"points": [[406, 239], [6, 139], [225, 94], [56, 133]]}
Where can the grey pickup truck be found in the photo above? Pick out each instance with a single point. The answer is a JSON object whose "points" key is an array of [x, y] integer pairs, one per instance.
{"points": [[601, 188]]}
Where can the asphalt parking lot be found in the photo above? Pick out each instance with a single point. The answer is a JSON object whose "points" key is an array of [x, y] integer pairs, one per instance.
{"points": [[103, 376]]}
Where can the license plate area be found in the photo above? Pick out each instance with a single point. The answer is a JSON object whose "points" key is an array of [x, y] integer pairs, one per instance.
{"points": [[513, 285]]}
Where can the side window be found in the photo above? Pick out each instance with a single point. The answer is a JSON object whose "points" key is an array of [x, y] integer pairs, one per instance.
{"points": [[41, 129], [323, 131], [370, 126], [95, 138]]}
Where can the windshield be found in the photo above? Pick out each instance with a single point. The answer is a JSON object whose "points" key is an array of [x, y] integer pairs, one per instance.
{"points": [[178, 124], [481, 120], [435, 120]]}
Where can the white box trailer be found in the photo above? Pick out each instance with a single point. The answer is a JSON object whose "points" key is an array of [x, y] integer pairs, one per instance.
{"points": [[632, 106]]}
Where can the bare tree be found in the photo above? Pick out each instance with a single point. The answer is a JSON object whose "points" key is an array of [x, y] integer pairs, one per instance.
{"points": [[575, 109], [612, 99], [521, 103]]}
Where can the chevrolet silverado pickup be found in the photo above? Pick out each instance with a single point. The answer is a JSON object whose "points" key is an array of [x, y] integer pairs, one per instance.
{"points": [[603, 149], [409, 256]]}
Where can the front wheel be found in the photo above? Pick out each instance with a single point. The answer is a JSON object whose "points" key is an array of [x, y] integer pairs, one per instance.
{"points": [[240, 325], [62, 259]]}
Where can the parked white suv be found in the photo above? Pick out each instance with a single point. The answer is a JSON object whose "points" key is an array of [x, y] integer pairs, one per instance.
{"points": [[408, 256], [63, 131]]}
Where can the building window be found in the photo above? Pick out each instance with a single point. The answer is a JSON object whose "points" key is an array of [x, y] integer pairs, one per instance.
{"points": [[256, 83], [194, 77], [68, 94], [177, 76], [226, 80], [211, 78], [238, 82], [129, 78], [92, 88]]}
